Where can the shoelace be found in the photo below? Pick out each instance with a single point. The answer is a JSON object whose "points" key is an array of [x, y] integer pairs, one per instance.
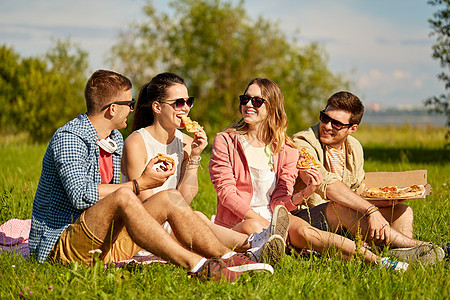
{"points": [[214, 266]]}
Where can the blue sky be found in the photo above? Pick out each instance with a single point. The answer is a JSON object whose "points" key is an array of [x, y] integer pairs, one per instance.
{"points": [[383, 47]]}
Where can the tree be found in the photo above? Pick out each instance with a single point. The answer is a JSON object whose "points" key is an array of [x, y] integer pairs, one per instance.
{"points": [[38, 95], [218, 48], [441, 52]]}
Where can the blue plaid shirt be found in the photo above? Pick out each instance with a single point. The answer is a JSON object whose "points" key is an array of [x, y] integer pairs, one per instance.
{"points": [[69, 182]]}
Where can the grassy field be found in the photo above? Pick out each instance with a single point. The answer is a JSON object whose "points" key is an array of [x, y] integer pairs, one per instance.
{"points": [[386, 149]]}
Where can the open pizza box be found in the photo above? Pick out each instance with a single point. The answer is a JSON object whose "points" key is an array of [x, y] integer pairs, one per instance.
{"points": [[400, 179]]}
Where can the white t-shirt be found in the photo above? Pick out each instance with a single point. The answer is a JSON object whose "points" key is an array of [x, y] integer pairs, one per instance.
{"points": [[263, 177]]}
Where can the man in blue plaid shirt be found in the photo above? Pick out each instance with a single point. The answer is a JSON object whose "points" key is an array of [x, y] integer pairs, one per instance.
{"points": [[81, 208]]}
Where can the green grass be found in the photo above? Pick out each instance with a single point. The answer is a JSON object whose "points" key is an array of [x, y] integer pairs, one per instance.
{"points": [[386, 149]]}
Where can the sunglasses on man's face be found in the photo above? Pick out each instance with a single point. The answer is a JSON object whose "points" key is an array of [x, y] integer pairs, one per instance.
{"points": [[180, 102], [129, 103], [324, 118], [256, 101]]}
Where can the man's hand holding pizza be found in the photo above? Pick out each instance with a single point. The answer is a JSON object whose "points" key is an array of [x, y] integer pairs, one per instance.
{"points": [[152, 178]]}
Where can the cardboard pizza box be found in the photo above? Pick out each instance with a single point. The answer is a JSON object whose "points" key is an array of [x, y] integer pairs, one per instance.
{"points": [[400, 179]]}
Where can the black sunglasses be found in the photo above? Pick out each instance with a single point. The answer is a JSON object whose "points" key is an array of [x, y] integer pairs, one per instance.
{"points": [[180, 102], [256, 101], [129, 103], [324, 118]]}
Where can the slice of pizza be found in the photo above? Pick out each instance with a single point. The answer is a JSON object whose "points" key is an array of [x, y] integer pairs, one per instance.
{"points": [[306, 160], [386, 192], [191, 126], [412, 191], [164, 158]]}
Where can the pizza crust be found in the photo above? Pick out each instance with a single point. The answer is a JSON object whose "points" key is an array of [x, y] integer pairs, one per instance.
{"points": [[389, 192], [164, 158], [191, 126]]}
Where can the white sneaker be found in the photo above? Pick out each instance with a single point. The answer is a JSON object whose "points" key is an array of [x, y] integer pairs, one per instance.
{"points": [[394, 265], [280, 221], [266, 248]]}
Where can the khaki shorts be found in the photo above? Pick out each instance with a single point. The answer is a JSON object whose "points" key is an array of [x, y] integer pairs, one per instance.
{"points": [[77, 240]]}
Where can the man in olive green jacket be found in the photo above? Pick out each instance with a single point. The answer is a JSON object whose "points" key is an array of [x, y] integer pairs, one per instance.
{"points": [[335, 205]]}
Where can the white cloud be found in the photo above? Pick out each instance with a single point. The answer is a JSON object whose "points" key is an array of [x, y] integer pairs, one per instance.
{"points": [[383, 45]]}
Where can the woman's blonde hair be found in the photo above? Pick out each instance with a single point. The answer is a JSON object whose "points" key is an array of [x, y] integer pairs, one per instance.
{"points": [[273, 127]]}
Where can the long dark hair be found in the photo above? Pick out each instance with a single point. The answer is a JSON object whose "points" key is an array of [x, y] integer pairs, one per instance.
{"points": [[155, 90]]}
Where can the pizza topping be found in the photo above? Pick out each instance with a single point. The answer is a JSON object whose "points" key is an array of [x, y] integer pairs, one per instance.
{"points": [[394, 192], [191, 126], [164, 158], [306, 160]]}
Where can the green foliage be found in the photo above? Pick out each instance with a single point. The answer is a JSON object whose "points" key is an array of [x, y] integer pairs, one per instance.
{"points": [[218, 48], [386, 149], [440, 24], [38, 95]]}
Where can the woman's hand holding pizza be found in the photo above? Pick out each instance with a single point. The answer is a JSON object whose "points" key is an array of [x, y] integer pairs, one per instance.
{"points": [[312, 177], [199, 143]]}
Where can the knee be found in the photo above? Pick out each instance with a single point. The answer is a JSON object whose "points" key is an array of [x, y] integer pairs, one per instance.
{"points": [[404, 211], [172, 197], [125, 197], [202, 216]]}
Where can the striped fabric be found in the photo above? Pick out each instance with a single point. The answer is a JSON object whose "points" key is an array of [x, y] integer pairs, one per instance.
{"points": [[337, 160], [69, 182]]}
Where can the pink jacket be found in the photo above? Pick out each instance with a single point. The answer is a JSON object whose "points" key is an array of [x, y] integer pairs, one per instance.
{"points": [[230, 175]]}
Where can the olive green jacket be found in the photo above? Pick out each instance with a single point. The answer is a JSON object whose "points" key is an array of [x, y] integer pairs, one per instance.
{"points": [[353, 169]]}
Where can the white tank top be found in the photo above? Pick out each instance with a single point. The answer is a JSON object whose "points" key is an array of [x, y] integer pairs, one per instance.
{"points": [[263, 178], [174, 149]]}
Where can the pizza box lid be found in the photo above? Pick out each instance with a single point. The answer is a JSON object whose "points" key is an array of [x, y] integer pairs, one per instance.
{"points": [[400, 179]]}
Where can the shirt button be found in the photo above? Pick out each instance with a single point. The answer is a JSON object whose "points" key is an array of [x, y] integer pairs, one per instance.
{"points": [[98, 171]]}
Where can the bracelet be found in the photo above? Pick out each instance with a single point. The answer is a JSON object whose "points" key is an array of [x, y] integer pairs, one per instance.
{"points": [[191, 167], [194, 162], [367, 209], [371, 212], [136, 187]]}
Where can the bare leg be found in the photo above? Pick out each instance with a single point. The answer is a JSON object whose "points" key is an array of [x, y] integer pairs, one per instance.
{"points": [[339, 217], [400, 217], [229, 237], [303, 235], [251, 225], [123, 209], [188, 228]]}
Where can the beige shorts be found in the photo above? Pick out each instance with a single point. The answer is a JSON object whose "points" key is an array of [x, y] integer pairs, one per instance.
{"points": [[77, 240]]}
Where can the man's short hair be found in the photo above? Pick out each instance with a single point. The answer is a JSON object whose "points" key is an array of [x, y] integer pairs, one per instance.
{"points": [[102, 87], [348, 102]]}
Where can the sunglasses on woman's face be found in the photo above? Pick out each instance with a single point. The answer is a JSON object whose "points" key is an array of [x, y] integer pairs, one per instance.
{"points": [[180, 102], [256, 101], [324, 118]]}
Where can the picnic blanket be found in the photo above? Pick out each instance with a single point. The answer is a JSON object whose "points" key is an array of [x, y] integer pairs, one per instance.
{"points": [[14, 236]]}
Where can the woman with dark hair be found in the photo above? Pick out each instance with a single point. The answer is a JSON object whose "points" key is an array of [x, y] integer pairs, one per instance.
{"points": [[156, 129], [156, 123]]}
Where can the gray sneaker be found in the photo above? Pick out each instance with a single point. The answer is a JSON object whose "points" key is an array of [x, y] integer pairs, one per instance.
{"points": [[280, 221], [266, 248], [426, 254]]}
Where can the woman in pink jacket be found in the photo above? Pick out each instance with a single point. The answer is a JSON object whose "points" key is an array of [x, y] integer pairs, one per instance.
{"points": [[253, 169]]}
